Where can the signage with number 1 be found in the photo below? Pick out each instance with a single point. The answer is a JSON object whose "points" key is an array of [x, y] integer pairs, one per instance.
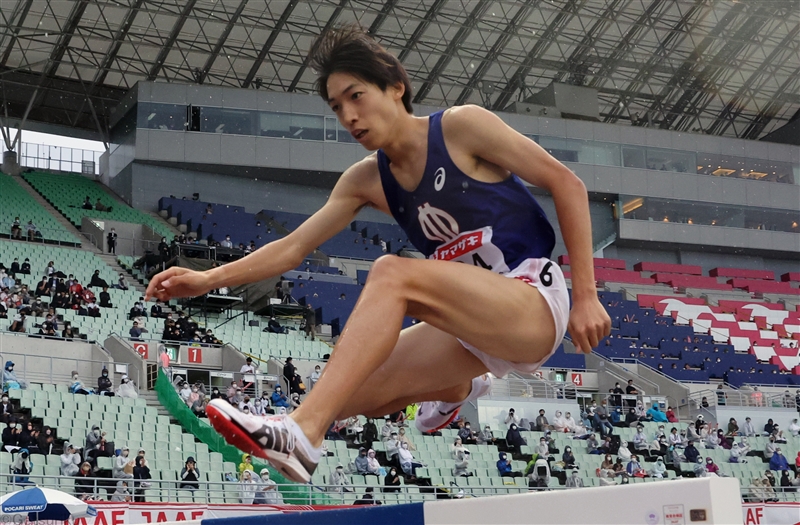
{"points": [[195, 354]]}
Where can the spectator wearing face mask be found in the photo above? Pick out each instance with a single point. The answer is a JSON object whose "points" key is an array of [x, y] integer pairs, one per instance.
{"points": [[568, 457], [10, 380], [655, 414], [70, 460], [504, 467], [770, 448], [294, 402], [84, 485], [659, 469], [467, 435], [373, 467], [574, 481], [104, 385], [634, 469], [95, 443], [675, 439], [314, 377], [268, 493], [339, 481], [407, 461], [748, 430], [592, 445], [45, 441], [778, 461], [402, 437], [387, 429], [11, 434], [362, 462], [247, 488], [738, 452], [122, 467], [486, 437], [462, 464], [370, 433], [245, 465], [6, 409], [514, 439], [712, 467], [511, 417], [279, 398], [190, 475], [126, 388], [391, 483]]}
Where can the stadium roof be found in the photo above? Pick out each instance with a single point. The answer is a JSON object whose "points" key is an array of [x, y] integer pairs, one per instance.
{"points": [[719, 67]]}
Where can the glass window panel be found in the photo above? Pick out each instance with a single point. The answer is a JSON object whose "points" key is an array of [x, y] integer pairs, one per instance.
{"points": [[670, 160], [769, 170], [307, 127], [344, 135], [170, 117], [633, 157], [274, 124], [605, 154], [222, 120], [561, 149], [330, 128], [720, 165]]}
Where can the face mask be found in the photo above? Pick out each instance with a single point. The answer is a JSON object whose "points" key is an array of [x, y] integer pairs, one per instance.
{"points": [[97, 433], [105, 374], [5, 400]]}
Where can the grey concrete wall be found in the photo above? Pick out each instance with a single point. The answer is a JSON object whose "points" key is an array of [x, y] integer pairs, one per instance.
{"points": [[122, 351]]}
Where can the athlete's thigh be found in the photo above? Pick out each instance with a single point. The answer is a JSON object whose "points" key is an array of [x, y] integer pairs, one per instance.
{"points": [[503, 317], [424, 361]]}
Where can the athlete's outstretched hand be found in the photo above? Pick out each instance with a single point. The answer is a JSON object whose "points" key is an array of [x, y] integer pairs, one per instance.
{"points": [[177, 282], [588, 324]]}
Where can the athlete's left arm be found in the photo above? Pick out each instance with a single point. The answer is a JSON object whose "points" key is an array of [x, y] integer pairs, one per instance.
{"points": [[487, 137]]}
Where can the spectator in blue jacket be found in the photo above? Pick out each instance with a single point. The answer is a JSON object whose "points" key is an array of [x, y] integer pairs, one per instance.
{"points": [[279, 398], [778, 461], [657, 415], [504, 467]]}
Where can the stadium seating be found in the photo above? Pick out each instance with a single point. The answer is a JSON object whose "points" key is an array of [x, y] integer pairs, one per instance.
{"points": [[66, 192], [18, 203]]}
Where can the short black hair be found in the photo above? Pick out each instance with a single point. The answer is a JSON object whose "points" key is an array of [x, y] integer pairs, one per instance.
{"points": [[350, 49]]}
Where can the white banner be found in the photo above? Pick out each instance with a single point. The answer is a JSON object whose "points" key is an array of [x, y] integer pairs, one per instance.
{"points": [[136, 513], [771, 513]]}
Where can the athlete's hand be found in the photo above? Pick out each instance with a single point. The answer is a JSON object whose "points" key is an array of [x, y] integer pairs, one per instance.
{"points": [[177, 282], [588, 324]]}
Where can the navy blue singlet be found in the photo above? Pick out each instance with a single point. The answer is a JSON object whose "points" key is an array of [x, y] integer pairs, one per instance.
{"points": [[451, 216]]}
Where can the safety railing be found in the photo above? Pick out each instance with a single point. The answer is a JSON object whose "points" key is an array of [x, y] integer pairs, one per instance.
{"points": [[157, 490], [57, 158], [51, 236], [741, 398]]}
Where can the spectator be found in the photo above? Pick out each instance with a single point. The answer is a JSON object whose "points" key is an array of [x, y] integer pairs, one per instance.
{"points": [[246, 465], [391, 482], [787, 484], [640, 441], [655, 414], [607, 479], [84, 485], [634, 469], [568, 457], [95, 441], [486, 437], [770, 448], [136, 332], [314, 377], [540, 474], [267, 493], [32, 231], [122, 284], [370, 433], [574, 481], [387, 429], [616, 396], [296, 385], [98, 281], [778, 434], [573, 426], [373, 467], [11, 435], [712, 467], [797, 463], [671, 417], [675, 439], [111, 242], [749, 430], [738, 452], [407, 461], [76, 386], [659, 469], [122, 467], [624, 452], [247, 488], [514, 439], [467, 435], [70, 460], [541, 423], [778, 461], [504, 467], [127, 389], [104, 385], [769, 427], [592, 445], [18, 323], [278, 398], [190, 476], [511, 417], [26, 267], [339, 481], [794, 428], [6, 409], [362, 462], [631, 391], [10, 380], [289, 371], [367, 498], [122, 494], [403, 438], [16, 229], [310, 322]]}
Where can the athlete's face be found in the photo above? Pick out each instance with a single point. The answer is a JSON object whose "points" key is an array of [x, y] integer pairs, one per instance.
{"points": [[365, 111]]}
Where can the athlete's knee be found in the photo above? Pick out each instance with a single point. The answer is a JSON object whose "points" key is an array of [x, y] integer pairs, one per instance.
{"points": [[388, 269]]}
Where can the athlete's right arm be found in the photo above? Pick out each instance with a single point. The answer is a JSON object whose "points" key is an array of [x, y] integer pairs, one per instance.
{"points": [[282, 255]]}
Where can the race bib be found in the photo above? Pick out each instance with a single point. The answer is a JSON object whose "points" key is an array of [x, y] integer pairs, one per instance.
{"points": [[473, 247]]}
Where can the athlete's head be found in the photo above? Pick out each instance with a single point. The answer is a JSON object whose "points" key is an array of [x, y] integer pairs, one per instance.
{"points": [[365, 85]]}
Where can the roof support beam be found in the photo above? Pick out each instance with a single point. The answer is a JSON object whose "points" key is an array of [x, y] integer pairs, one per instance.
{"points": [[655, 62], [287, 12], [173, 36], [736, 104], [466, 28], [499, 45], [328, 26], [222, 39], [517, 80], [421, 28], [703, 86], [66, 35], [15, 32], [387, 8], [755, 128], [119, 39]]}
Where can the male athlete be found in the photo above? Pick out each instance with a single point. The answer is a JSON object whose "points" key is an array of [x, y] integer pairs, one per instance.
{"points": [[488, 297]]}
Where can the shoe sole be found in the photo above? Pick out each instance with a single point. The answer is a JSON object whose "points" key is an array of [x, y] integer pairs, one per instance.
{"points": [[239, 437]]}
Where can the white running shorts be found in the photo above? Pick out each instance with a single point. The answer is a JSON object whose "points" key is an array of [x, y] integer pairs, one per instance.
{"points": [[547, 277]]}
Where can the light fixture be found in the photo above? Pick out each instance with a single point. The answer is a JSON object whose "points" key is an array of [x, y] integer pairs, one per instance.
{"points": [[631, 205], [724, 172]]}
